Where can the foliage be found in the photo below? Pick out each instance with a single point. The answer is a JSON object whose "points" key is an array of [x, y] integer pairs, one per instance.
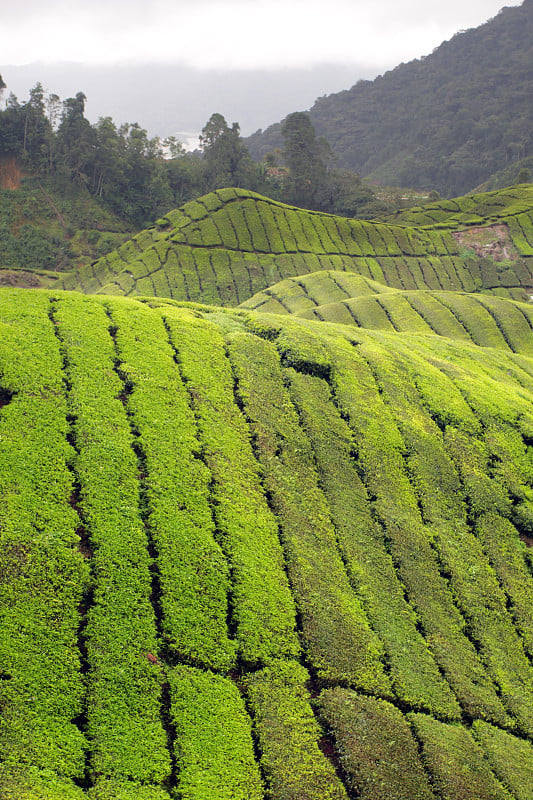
{"points": [[306, 165], [263, 612], [216, 524], [124, 687], [214, 750], [511, 758], [46, 228], [456, 762], [289, 736], [125, 170], [43, 574], [230, 244], [376, 747], [338, 640], [226, 158], [193, 573]]}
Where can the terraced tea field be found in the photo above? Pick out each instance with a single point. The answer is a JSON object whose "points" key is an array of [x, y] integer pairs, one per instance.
{"points": [[228, 245], [350, 299], [259, 556]]}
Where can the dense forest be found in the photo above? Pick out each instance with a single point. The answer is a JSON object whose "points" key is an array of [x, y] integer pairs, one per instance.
{"points": [[133, 175], [139, 178], [446, 122]]}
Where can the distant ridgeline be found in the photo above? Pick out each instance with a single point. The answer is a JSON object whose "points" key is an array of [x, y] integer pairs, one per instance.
{"points": [[249, 556], [231, 244], [447, 121]]}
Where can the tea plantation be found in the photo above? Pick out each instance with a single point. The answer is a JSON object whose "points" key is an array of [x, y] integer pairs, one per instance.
{"points": [[230, 244], [280, 551], [255, 556]]}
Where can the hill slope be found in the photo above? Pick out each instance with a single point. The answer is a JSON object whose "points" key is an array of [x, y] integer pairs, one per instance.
{"points": [[447, 121], [230, 244], [48, 227], [249, 556], [350, 299]]}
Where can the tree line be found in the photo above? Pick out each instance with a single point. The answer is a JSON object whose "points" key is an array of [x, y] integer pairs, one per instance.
{"points": [[140, 178]]}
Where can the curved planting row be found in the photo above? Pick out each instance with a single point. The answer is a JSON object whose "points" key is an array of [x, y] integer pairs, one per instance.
{"points": [[351, 299], [228, 245], [487, 206], [247, 557], [43, 573], [123, 717]]}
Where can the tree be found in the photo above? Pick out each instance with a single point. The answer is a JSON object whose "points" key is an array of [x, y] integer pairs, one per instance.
{"points": [[76, 141], [110, 162], [12, 127], [304, 157], [186, 176], [173, 147], [37, 138], [524, 176], [227, 159], [53, 109]]}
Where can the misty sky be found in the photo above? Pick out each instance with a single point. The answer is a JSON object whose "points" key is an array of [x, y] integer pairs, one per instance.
{"points": [[234, 34]]}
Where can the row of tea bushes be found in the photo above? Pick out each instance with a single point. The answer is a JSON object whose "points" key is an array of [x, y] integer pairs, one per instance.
{"points": [[43, 575], [128, 741], [231, 244]]}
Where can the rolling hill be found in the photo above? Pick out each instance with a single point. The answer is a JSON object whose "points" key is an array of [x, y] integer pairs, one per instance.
{"points": [[447, 121], [251, 556], [350, 299], [266, 510], [230, 244]]}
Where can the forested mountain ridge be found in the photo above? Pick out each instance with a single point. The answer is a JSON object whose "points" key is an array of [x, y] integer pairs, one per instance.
{"points": [[447, 121]]}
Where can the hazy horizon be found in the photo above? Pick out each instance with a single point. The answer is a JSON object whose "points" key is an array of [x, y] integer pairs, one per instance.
{"points": [[169, 65]]}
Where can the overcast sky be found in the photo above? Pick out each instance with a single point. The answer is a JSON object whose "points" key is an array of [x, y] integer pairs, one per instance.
{"points": [[234, 34]]}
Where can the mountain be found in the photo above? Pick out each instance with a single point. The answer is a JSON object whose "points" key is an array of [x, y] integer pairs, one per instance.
{"points": [[230, 244], [446, 122], [250, 556]]}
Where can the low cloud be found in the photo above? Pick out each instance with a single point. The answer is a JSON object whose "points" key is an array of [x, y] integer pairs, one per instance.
{"points": [[234, 34]]}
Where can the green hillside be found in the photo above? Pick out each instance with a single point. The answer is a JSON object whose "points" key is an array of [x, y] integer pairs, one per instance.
{"points": [[447, 121], [251, 556], [349, 299], [230, 244], [48, 228]]}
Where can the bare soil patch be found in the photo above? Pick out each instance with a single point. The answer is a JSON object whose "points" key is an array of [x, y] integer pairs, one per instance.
{"points": [[10, 173], [21, 278], [491, 240]]}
